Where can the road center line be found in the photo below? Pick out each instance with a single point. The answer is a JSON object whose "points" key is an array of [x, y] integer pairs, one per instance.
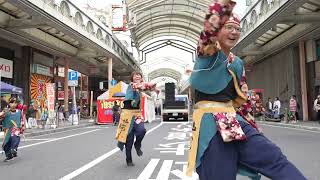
{"points": [[56, 139], [97, 160]]}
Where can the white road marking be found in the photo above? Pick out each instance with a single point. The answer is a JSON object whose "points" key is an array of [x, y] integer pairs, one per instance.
{"points": [[148, 170], [181, 163], [60, 132], [97, 127], [98, 160], [182, 175], [290, 128], [164, 172], [175, 122], [31, 139], [56, 139]]}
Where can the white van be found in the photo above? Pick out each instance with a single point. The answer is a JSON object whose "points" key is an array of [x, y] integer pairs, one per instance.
{"points": [[176, 110]]}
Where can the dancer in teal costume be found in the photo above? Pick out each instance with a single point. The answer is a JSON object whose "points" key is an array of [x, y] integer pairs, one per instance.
{"points": [[13, 125], [226, 140]]}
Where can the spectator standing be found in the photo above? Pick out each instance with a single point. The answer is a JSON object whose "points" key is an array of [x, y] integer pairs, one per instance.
{"points": [[60, 113], [32, 112], [316, 107], [293, 109], [269, 106], [116, 113], [276, 108], [44, 116]]}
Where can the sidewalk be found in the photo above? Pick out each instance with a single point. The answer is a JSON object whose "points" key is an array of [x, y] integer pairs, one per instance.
{"points": [[64, 127], [307, 125]]}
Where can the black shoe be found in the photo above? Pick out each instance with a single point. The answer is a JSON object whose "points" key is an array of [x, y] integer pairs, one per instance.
{"points": [[139, 152], [8, 159], [130, 164], [14, 153], [120, 146]]}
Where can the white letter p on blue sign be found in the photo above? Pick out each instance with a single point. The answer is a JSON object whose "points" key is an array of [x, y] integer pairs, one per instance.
{"points": [[73, 76]]}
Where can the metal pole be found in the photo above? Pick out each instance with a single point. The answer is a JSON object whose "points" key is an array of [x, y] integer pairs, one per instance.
{"points": [[91, 105], [80, 97], [0, 87], [74, 104], [109, 72]]}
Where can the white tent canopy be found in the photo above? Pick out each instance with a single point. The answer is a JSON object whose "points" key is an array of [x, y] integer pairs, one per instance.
{"points": [[106, 95]]}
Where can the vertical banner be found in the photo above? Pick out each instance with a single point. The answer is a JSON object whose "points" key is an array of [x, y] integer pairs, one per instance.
{"points": [[50, 99], [118, 18]]}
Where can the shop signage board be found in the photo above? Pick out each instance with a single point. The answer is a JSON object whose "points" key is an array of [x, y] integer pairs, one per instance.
{"points": [[43, 70], [6, 68]]}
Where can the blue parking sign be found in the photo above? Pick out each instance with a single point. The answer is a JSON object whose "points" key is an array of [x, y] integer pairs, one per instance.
{"points": [[73, 76], [113, 82]]}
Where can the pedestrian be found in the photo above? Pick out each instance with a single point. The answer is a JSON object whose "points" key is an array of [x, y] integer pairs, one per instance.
{"points": [[316, 107], [44, 116], [127, 130], [293, 109], [13, 125], [32, 111], [276, 108], [61, 117], [226, 139], [269, 106], [116, 113]]}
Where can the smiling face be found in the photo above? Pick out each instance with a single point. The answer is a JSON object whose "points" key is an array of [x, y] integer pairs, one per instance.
{"points": [[13, 104], [137, 78], [228, 36]]}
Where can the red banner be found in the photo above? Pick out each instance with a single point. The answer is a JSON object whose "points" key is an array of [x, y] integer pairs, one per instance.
{"points": [[105, 114]]}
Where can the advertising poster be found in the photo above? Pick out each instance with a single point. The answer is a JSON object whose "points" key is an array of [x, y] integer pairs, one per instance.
{"points": [[105, 114], [38, 89]]}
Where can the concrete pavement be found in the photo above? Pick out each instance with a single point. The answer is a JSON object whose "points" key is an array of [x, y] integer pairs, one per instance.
{"points": [[307, 125], [91, 153], [63, 127]]}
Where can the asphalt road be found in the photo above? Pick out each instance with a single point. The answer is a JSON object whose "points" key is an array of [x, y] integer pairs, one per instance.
{"points": [[91, 154]]}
